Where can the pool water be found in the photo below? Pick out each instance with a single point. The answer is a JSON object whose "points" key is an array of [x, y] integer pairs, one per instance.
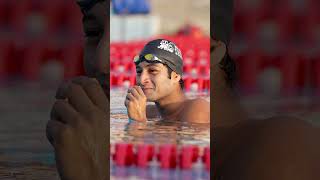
{"points": [[25, 152], [156, 132], [155, 172]]}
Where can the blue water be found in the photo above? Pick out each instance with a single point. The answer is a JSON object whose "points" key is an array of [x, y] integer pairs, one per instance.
{"points": [[154, 172]]}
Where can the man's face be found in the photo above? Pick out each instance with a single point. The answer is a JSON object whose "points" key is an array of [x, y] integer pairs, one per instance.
{"points": [[154, 81]]}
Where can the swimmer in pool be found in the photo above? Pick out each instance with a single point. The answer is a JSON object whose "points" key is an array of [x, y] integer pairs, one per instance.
{"points": [[159, 70], [278, 148]]}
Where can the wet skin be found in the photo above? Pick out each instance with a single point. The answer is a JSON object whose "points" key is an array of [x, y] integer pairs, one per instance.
{"points": [[284, 148]]}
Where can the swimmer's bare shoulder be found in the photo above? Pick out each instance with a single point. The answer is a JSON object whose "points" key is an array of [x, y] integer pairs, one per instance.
{"points": [[196, 111], [283, 148], [292, 147]]}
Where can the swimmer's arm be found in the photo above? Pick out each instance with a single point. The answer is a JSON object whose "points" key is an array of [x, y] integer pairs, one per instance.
{"points": [[152, 111], [197, 111]]}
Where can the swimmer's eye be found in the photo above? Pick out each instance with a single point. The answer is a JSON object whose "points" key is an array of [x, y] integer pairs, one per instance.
{"points": [[138, 72], [153, 70]]}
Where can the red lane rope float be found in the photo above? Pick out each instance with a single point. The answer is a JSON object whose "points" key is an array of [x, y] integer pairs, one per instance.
{"points": [[168, 156], [124, 155], [190, 155], [144, 154]]}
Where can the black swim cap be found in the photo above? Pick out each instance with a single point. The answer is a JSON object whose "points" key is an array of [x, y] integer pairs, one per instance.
{"points": [[167, 51]]}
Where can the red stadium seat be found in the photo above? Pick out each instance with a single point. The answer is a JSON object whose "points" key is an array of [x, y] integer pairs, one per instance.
{"points": [[289, 67], [72, 57], [31, 64], [73, 18], [123, 79], [194, 83], [130, 67], [6, 58], [311, 27], [6, 8], [3, 12], [53, 11], [114, 65], [204, 70], [37, 17], [113, 80], [315, 74], [19, 14], [41, 51], [248, 68], [248, 14]]}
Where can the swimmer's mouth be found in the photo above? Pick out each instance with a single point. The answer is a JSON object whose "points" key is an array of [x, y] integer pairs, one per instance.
{"points": [[146, 88]]}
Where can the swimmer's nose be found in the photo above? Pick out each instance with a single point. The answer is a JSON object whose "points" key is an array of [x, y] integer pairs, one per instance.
{"points": [[144, 78]]}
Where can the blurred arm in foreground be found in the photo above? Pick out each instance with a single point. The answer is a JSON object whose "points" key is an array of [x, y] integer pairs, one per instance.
{"points": [[78, 127]]}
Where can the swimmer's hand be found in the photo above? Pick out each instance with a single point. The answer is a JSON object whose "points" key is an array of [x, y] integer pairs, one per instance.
{"points": [[217, 50], [136, 103], [78, 130]]}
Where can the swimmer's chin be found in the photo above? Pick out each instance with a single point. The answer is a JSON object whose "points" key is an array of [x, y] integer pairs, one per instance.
{"points": [[150, 99], [149, 96], [147, 90]]}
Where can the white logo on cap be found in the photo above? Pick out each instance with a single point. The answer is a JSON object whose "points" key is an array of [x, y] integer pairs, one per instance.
{"points": [[169, 46], [178, 52]]}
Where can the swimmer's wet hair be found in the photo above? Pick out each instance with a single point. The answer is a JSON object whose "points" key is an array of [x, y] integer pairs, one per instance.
{"points": [[228, 65]]}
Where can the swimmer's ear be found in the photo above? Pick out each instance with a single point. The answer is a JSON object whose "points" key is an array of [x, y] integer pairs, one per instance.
{"points": [[218, 49], [175, 76]]}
